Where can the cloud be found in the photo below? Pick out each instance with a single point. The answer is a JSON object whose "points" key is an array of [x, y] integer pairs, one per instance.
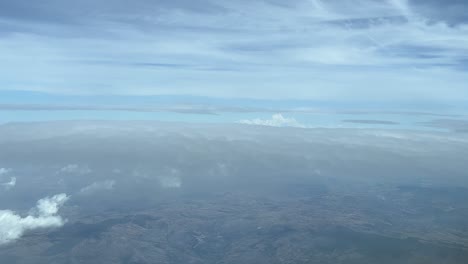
{"points": [[50, 205], [277, 120], [9, 185], [456, 125], [75, 169], [44, 215], [308, 49], [103, 105], [454, 12], [171, 180], [371, 122], [4, 171], [98, 186], [203, 105], [187, 109]]}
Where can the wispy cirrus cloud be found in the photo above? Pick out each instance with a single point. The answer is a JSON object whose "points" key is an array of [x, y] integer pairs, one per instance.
{"points": [[260, 49]]}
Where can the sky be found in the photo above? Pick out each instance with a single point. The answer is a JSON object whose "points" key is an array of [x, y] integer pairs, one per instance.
{"points": [[300, 64], [391, 51]]}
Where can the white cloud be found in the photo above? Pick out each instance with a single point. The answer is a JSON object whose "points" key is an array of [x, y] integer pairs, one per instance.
{"points": [[75, 169], [4, 171], [44, 215], [98, 186], [277, 120], [50, 205], [10, 184], [316, 49]]}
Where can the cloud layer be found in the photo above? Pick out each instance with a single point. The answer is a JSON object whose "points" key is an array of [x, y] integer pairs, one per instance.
{"points": [[456, 125], [75, 169], [390, 49], [44, 215]]}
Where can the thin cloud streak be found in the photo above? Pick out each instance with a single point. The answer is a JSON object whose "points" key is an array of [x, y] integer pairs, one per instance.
{"points": [[371, 122], [219, 106], [455, 125], [277, 120], [35, 107]]}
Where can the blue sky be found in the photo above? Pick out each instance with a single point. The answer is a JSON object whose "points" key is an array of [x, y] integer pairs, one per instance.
{"points": [[411, 53]]}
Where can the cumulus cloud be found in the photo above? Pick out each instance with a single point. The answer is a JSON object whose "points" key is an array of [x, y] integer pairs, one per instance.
{"points": [[98, 186], [277, 120], [75, 169], [44, 215]]}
